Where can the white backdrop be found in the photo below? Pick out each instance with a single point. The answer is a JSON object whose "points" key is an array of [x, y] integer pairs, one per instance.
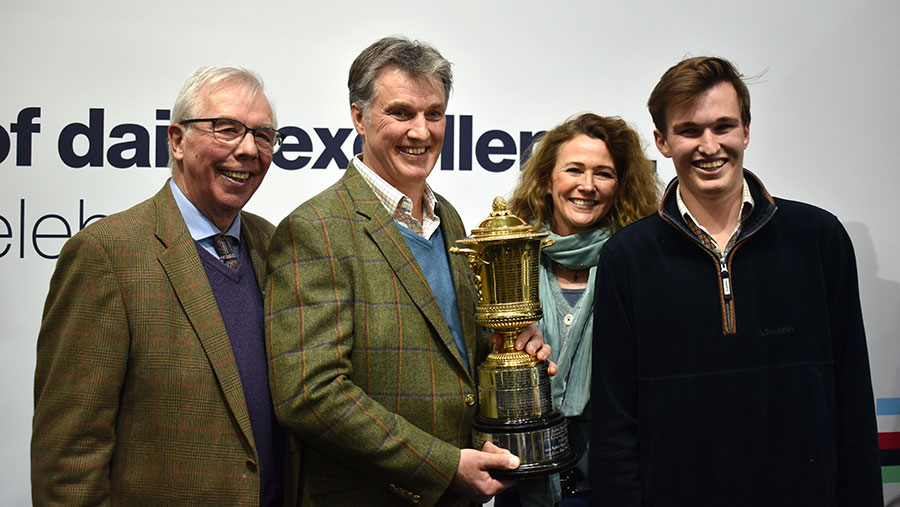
{"points": [[823, 127]]}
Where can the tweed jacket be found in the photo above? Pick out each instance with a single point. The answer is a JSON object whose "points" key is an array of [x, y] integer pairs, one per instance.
{"points": [[363, 366], [138, 400]]}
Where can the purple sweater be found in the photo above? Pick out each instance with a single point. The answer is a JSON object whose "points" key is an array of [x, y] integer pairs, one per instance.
{"points": [[240, 303]]}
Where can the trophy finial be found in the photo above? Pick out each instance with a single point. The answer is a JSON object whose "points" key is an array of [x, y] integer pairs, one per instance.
{"points": [[499, 204]]}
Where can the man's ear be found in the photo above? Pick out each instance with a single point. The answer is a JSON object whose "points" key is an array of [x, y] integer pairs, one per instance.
{"points": [[176, 141], [661, 144], [356, 114]]}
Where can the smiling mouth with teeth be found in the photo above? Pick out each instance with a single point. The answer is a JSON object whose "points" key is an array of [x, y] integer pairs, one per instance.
{"points": [[413, 151], [711, 165], [583, 202], [236, 175]]}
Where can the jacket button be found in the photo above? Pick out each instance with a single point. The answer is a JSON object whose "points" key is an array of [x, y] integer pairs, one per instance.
{"points": [[251, 465], [470, 399]]}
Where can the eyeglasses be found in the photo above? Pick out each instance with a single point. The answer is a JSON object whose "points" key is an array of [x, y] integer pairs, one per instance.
{"points": [[230, 131]]}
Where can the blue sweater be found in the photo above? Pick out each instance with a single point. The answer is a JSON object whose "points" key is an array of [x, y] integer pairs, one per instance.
{"points": [[431, 254]]}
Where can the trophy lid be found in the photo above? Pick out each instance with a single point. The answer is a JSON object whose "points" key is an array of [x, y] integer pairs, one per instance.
{"points": [[502, 225]]}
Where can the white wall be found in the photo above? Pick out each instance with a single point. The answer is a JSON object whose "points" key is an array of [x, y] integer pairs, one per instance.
{"points": [[822, 129]]}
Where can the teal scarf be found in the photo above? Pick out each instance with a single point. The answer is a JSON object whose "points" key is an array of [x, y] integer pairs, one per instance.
{"points": [[576, 251], [571, 386]]}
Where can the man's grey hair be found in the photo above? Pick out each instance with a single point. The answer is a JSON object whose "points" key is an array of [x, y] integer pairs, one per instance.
{"points": [[204, 81], [414, 57]]}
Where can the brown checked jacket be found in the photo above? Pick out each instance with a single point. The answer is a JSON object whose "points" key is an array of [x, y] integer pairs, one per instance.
{"points": [[138, 400], [362, 364]]}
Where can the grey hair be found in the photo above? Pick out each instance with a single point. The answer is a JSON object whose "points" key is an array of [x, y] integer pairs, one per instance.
{"points": [[414, 57], [205, 80]]}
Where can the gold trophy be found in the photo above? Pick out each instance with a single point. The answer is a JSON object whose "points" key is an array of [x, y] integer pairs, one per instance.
{"points": [[515, 406]]}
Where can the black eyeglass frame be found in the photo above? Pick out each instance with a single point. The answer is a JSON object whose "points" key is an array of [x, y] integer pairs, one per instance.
{"points": [[276, 142]]}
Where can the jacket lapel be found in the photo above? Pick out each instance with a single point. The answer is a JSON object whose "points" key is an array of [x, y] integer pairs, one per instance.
{"points": [[384, 233], [182, 264], [256, 246]]}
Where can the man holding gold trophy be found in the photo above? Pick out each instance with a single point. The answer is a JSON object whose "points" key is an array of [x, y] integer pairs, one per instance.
{"points": [[371, 325]]}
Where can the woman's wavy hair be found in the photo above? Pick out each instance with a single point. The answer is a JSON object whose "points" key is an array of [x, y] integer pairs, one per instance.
{"points": [[639, 187]]}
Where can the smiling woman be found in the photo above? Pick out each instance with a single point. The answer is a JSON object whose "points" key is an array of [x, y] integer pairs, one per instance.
{"points": [[587, 178], [582, 185]]}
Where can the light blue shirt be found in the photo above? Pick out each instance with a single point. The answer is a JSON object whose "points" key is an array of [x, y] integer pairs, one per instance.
{"points": [[201, 228]]}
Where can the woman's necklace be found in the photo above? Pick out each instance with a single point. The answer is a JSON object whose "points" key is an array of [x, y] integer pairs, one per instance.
{"points": [[570, 274]]}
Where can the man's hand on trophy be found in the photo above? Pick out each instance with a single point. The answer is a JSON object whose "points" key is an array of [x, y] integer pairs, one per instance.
{"points": [[473, 479], [532, 342]]}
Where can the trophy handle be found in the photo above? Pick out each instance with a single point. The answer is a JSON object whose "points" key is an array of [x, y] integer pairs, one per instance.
{"points": [[475, 261], [547, 242], [467, 251]]}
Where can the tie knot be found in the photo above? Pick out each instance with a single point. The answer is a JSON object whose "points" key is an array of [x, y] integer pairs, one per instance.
{"points": [[224, 246]]}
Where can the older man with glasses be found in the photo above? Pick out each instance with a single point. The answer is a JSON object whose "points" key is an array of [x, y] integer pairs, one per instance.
{"points": [[151, 384]]}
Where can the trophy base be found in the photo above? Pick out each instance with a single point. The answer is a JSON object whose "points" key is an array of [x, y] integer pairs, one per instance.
{"points": [[542, 444]]}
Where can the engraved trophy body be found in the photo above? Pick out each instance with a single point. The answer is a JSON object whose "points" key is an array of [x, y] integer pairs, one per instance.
{"points": [[515, 405]]}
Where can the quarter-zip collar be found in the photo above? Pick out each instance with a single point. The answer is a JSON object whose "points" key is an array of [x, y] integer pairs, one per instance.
{"points": [[759, 217], [763, 210]]}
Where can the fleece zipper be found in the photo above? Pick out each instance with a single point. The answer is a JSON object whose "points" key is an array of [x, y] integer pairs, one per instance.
{"points": [[724, 263], [727, 298], [723, 268]]}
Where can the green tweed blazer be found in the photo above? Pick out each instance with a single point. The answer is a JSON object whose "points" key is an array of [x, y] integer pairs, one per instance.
{"points": [[138, 400], [363, 367]]}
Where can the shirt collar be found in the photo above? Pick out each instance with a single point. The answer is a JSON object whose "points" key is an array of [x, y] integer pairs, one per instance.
{"points": [[198, 225], [747, 204], [398, 204]]}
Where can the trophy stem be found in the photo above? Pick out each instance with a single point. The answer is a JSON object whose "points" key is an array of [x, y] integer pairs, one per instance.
{"points": [[508, 356], [509, 340]]}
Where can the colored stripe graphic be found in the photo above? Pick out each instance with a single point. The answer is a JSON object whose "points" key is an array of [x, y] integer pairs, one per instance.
{"points": [[890, 457], [887, 406], [890, 474], [889, 440]]}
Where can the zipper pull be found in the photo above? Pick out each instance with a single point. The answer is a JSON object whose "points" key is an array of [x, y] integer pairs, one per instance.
{"points": [[726, 281]]}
